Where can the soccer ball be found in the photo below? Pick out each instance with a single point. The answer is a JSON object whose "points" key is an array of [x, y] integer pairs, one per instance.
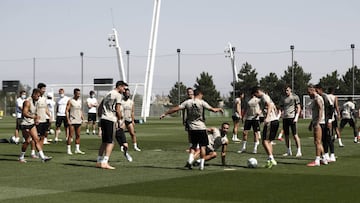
{"points": [[252, 163], [52, 131], [14, 140]]}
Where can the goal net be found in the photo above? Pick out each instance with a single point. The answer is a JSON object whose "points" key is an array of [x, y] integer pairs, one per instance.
{"points": [[307, 112]]}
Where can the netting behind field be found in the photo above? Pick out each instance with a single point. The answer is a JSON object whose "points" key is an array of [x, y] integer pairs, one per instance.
{"points": [[307, 112]]}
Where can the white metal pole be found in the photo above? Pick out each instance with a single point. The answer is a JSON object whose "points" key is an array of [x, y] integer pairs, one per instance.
{"points": [[151, 60], [119, 56]]}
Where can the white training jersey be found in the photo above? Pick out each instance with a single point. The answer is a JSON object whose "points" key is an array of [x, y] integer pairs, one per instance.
{"points": [[127, 106], [216, 140], [110, 101], [195, 109], [41, 107], [61, 105], [92, 101], [32, 110], [273, 114], [19, 105], [75, 111], [253, 109], [51, 106], [290, 104], [347, 109]]}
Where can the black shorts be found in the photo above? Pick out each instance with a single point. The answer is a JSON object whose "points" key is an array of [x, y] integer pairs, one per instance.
{"points": [[255, 124], [287, 124], [92, 117], [270, 130], [128, 123], [235, 117], [345, 121], [334, 124], [208, 150], [108, 131], [198, 137], [42, 128], [26, 127], [61, 119], [120, 136]]}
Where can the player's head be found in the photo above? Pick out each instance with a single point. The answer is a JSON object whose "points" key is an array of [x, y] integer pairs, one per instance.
{"points": [[190, 92], [76, 93], [257, 91], [288, 90], [319, 88], [92, 94], [126, 94], [42, 87], [239, 93], [121, 86], [331, 90], [225, 127], [349, 99], [22, 94], [36, 93], [198, 93], [311, 91], [61, 92]]}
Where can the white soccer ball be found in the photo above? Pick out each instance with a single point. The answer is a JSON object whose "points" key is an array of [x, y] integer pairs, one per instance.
{"points": [[252, 163], [14, 140], [52, 131]]}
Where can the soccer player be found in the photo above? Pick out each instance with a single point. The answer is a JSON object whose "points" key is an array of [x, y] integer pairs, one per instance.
{"points": [[74, 118], [43, 112], [51, 106], [60, 114], [347, 116], [129, 116], [217, 138], [237, 116], [271, 125], [29, 118], [252, 113], [110, 112], [291, 108], [19, 105], [190, 95], [335, 127], [92, 106], [318, 119], [197, 128]]}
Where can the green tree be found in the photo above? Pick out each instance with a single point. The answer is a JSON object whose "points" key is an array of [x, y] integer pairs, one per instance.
{"points": [[346, 85], [273, 86], [174, 93], [331, 80], [301, 79], [247, 78], [206, 84]]}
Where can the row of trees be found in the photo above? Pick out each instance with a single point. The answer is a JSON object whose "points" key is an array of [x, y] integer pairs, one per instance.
{"points": [[271, 83]]}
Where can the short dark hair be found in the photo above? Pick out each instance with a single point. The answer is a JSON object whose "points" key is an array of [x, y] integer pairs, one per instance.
{"points": [[41, 85], [225, 123], [255, 89], [318, 86], [197, 91], [76, 90], [36, 91], [121, 83], [91, 92]]}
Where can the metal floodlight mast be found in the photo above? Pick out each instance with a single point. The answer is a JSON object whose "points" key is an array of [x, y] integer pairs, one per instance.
{"points": [[292, 67], [151, 60], [352, 46], [114, 42]]}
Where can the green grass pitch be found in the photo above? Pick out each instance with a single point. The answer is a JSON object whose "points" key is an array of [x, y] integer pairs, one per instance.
{"points": [[157, 173]]}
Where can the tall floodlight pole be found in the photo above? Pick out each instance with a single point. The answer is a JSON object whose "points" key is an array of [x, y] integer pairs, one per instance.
{"points": [[353, 69], [34, 72], [230, 52], [292, 67], [151, 61], [82, 80], [114, 42], [128, 65], [178, 53]]}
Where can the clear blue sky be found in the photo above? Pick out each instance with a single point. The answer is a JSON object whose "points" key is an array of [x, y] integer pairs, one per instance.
{"points": [[55, 32]]}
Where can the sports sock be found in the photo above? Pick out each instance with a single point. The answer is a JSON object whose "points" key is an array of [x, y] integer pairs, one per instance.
{"points": [[22, 155], [41, 154], [77, 147], [191, 158]]}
